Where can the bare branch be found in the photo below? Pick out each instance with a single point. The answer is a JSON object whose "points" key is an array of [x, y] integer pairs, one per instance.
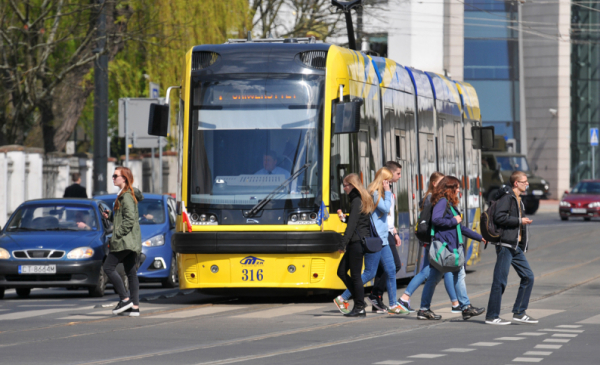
{"points": [[16, 9]]}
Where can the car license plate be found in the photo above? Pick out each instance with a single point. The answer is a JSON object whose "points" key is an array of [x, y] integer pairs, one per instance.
{"points": [[37, 269], [578, 210], [538, 192]]}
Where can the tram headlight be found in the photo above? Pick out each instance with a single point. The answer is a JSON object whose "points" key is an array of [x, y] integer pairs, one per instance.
{"points": [[313, 216], [202, 217], [303, 216], [214, 269], [212, 218], [294, 218]]}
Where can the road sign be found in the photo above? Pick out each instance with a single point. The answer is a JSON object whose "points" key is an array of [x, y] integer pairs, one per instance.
{"points": [[594, 136], [154, 90], [133, 117]]}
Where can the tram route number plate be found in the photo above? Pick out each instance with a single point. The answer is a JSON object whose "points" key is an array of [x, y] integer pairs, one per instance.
{"points": [[37, 269], [578, 210]]}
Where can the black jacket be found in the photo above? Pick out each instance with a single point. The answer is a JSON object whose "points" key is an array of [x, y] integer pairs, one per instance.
{"points": [[508, 218], [357, 221], [75, 191]]}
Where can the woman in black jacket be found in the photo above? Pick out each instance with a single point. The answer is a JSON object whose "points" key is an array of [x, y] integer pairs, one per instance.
{"points": [[361, 206]]}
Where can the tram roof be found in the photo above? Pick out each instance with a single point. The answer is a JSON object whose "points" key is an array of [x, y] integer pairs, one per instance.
{"points": [[469, 99], [446, 91], [421, 82]]}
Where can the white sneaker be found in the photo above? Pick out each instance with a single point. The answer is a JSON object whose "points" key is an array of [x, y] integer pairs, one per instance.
{"points": [[497, 321], [524, 318]]}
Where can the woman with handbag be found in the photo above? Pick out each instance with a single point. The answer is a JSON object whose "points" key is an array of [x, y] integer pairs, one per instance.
{"points": [[358, 226], [382, 197], [447, 228]]}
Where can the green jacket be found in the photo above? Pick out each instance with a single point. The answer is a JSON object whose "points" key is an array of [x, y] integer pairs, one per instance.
{"points": [[126, 231]]}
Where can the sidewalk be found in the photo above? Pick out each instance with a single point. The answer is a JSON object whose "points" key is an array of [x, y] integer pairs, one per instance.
{"points": [[548, 206]]}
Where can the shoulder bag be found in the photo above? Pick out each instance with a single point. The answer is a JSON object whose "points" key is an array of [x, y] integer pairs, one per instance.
{"points": [[372, 243]]}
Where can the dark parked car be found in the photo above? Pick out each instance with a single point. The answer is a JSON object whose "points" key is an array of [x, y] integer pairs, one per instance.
{"points": [[157, 223], [55, 243], [583, 201]]}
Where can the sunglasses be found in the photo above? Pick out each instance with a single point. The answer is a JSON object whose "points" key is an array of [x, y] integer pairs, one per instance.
{"points": [[116, 176]]}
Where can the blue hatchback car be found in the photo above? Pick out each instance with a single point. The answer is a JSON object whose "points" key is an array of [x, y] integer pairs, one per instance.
{"points": [[55, 243], [157, 223]]}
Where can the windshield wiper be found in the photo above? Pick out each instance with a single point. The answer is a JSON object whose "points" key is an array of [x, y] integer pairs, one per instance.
{"points": [[261, 204], [24, 229]]}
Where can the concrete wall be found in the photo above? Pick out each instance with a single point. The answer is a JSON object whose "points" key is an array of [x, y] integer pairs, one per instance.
{"points": [[547, 86]]}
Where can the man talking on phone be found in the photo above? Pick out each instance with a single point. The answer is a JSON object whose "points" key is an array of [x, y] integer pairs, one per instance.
{"points": [[511, 251]]}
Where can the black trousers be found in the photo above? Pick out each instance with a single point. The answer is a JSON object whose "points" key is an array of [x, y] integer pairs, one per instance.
{"points": [[129, 260], [381, 277], [353, 261]]}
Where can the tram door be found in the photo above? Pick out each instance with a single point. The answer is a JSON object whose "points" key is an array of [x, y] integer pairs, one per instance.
{"points": [[460, 168]]}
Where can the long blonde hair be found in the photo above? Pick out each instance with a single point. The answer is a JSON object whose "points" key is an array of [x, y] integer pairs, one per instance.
{"points": [[377, 184], [367, 206]]}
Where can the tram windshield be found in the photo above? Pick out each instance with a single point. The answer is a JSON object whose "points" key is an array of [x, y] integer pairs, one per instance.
{"points": [[249, 133]]}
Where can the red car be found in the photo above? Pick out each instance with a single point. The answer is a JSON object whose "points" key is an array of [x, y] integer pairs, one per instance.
{"points": [[582, 202]]}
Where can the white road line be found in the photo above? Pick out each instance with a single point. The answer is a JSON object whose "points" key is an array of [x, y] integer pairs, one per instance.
{"points": [[37, 313], [528, 359], [427, 356], [279, 311], [568, 331], [391, 362], [455, 349], [198, 312], [561, 340], [101, 314], [569, 326], [538, 353], [45, 305], [487, 344], [509, 338], [531, 334], [592, 320], [564, 335], [535, 313], [553, 347]]}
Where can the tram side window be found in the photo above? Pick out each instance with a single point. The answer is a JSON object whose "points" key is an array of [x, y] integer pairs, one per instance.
{"points": [[344, 160]]}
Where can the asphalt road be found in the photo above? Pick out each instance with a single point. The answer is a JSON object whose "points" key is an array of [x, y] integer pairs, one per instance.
{"points": [[66, 327]]}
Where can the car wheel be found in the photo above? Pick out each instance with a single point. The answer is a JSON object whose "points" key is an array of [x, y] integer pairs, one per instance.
{"points": [[98, 290], [23, 292], [587, 219], [172, 280], [1, 293], [564, 218]]}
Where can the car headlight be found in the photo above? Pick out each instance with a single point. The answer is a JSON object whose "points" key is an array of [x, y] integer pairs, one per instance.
{"points": [[81, 253], [154, 241], [564, 204], [594, 205], [543, 181], [4, 254]]}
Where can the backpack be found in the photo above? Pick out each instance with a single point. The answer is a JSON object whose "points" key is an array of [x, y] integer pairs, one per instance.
{"points": [[442, 258], [489, 230], [424, 228]]}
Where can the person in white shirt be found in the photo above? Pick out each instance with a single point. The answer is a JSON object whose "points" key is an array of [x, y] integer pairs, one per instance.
{"points": [[394, 241], [270, 166]]}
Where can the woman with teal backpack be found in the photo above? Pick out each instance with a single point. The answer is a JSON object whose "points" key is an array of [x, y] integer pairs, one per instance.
{"points": [[446, 224]]}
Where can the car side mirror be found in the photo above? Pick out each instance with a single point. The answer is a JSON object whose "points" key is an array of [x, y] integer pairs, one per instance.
{"points": [[158, 121], [566, 192], [483, 138], [347, 116]]}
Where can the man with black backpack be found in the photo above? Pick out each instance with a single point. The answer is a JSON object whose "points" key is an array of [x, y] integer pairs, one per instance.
{"points": [[510, 250]]}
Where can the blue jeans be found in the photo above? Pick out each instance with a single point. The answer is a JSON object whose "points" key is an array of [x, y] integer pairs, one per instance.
{"points": [[458, 281], [371, 263], [424, 274], [504, 258]]}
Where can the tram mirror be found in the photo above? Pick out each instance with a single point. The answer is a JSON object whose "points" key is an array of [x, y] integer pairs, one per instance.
{"points": [[483, 137], [347, 116], [158, 121]]}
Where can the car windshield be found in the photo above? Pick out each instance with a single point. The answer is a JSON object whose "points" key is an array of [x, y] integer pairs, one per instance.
{"points": [[150, 211], [53, 218], [586, 187], [249, 133], [512, 163]]}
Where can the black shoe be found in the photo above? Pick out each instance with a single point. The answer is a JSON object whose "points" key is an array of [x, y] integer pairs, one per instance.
{"points": [[456, 309], [375, 310], [356, 312], [376, 302], [471, 311], [428, 314], [122, 306], [131, 312]]}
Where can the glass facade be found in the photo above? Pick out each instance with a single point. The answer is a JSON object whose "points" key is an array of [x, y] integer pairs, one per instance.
{"points": [[491, 62], [585, 87]]}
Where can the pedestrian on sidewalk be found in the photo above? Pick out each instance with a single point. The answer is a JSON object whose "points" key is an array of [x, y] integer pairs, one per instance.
{"points": [[126, 242], [445, 199], [75, 190], [511, 251], [393, 238], [361, 206]]}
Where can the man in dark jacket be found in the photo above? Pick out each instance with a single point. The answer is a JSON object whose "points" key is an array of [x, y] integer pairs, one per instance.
{"points": [[511, 251], [75, 190]]}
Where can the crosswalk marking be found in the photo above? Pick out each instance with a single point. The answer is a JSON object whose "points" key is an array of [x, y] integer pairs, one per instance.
{"points": [[459, 350], [36, 313], [535, 313], [592, 320], [531, 334], [391, 362], [106, 313], [538, 353], [569, 331], [554, 347], [564, 335], [488, 344], [280, 311], [427, 356], [569, 326], [197, 312], [528, 359], [509, 338], [562, 340]]}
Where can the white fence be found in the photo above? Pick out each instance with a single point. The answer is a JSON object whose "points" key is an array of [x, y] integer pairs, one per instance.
{"points": [[26, 174]]}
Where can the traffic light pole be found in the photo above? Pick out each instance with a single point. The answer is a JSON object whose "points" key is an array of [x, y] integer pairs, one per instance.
{"points": [[100, 176]]}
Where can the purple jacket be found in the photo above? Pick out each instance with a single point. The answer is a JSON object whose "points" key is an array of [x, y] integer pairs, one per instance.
{"points": [[445, 226]]}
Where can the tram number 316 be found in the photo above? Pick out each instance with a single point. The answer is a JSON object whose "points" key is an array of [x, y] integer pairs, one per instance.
{"points": [[249, 275]]}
